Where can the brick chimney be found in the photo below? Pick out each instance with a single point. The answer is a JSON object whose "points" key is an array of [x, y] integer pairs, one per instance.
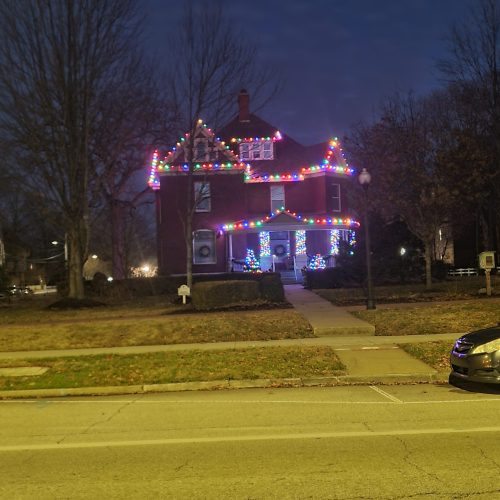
{"points": [[243, 106]]}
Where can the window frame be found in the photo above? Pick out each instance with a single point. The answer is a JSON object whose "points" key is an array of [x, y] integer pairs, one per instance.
{"points": [[335, 198], [273, 188], [256, 150], [199, 187]]}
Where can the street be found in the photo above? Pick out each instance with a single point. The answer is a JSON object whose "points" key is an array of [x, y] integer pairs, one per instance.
{"points": [[343, 442]]}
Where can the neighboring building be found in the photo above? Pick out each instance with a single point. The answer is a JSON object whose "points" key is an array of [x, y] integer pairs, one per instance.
{"points": [[255, 189]]}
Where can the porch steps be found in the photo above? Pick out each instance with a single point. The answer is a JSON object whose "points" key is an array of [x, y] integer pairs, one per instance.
{"points": [[288, 278]]}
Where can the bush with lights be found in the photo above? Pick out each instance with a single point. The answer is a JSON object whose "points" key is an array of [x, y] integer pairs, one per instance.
{"points": [[252, 264], [317, 262]]}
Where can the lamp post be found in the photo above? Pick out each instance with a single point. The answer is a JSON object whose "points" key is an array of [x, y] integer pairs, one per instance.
{"points": [[364, 179]]}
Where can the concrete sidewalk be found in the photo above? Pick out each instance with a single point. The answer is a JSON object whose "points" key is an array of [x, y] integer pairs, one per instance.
{"points": [[325, 318]]}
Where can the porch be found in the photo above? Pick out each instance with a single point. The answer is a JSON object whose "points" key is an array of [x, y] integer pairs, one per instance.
{"points": [[288, 244]]}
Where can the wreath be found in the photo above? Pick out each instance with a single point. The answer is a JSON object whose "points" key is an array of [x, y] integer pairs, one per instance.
{"points": [[280, 250], [204, 251]]}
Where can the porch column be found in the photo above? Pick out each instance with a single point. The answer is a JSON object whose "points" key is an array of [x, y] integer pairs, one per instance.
{"points": [[230, 251]]}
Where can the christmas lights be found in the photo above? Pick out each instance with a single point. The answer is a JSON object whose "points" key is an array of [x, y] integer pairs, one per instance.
{"points": [[276, 137], [325, 166], [300, 242], [351, 239], [317, 262], [265, 244], [153, 181], [334, 242], [251, 262], [313, 221]]}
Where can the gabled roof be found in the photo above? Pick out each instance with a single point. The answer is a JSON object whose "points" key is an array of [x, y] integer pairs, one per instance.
{"points": [[284, 219], [291, 160], [175, 159]]}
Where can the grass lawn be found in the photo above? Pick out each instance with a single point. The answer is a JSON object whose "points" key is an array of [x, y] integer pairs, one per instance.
{"points": [[87, 329], [453, 289], [183, 366], [435, 354], [459, 317]]}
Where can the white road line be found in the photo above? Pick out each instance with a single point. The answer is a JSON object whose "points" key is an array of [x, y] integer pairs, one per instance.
{"points": [[257, 437], [43, 402], [385, 394]]}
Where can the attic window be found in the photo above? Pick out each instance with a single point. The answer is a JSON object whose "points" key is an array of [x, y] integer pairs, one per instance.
{"points": [[200, 152], [257, 150]]}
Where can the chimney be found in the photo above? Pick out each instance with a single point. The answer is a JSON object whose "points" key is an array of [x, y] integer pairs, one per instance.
{"points": [[243, 106]]}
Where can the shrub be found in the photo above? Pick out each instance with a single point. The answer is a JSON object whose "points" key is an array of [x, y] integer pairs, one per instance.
{"points": [[221, 294], [331, 277], [271, 288]]}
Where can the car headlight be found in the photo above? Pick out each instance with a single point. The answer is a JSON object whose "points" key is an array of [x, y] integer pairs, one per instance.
{"points": [[490, 347]]}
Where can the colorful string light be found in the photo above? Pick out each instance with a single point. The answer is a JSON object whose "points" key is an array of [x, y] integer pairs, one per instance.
{"points": [[251, 262], [265, 244], [319, 221], [300, 242], [334, 242], [317, 262]]}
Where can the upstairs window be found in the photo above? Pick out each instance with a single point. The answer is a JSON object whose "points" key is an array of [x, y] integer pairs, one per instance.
{"points": [[202, 197], [200, 152], [256, 150], [335, 190], [277, 197]]}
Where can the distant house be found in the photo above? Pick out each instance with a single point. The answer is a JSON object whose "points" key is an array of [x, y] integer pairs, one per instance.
{"points": [[256, 189]]}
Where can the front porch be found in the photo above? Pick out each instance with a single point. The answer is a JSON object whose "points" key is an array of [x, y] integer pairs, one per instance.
{"points": [[288, 244]]}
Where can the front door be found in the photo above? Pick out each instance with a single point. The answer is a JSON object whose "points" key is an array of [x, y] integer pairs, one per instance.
{"points": [[280, 249]]}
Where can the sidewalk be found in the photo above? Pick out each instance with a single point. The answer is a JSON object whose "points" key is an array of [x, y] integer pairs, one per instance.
{"points": [[369, 359], [325, 318]]}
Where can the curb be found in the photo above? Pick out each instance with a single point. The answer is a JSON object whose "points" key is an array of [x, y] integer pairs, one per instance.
{"points": [[341, 380]]}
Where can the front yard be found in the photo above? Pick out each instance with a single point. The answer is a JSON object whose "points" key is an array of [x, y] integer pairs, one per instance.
{"points": [[143, 326], [180, 366]]}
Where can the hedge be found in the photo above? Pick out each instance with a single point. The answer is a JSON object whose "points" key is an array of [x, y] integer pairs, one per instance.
{"points": [[221, 294]]}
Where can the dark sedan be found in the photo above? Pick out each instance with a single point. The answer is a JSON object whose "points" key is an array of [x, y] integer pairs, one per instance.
{"points": [[476, 357]]}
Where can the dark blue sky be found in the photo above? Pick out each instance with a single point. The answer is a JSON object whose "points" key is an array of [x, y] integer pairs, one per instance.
{"points": [[338, 59]]}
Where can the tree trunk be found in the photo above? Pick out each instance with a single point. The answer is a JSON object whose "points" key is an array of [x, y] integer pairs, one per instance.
{"points": [[118, 240], [76, 242], [428, 264]]}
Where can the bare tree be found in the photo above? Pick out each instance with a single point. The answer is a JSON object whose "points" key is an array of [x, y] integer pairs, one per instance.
{"points": [[473, 67], [57, 57], [212, 63], [410, 182], [136, 117]]}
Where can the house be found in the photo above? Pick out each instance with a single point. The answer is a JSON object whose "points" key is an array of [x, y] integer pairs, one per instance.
{"points": [[255, 188]]}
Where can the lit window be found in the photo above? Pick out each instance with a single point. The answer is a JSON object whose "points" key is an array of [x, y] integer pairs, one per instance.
{"points": [[202, 197], [277, 197], [336, 198]]}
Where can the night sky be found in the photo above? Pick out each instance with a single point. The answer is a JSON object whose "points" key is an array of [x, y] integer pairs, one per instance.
{"points": [[338, 59]]}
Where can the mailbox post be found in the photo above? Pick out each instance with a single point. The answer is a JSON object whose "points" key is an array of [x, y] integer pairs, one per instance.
{"points": [[184, 291], [487, 262]]}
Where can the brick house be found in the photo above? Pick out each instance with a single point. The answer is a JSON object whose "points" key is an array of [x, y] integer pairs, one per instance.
{"points": [[254, 188]]}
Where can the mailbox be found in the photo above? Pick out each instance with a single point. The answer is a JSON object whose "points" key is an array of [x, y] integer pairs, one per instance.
{"points": [[487, 260]]}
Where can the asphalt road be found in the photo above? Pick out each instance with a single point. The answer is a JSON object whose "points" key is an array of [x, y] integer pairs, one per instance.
{"points": [[392, 442]]}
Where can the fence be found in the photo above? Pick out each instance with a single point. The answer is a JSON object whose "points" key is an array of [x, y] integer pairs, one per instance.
{"points": [[468, 271]]}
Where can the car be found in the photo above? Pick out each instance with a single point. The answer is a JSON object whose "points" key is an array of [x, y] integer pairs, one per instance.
{"points": [[19, 290], [475, 357]]}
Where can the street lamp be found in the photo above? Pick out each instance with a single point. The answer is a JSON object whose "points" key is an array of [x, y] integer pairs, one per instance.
{"points": [[364, 179]]}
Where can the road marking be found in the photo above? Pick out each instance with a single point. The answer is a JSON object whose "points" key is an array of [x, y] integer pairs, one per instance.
{"points": [[385, 394], [365, 348], [257, 437], [42, 402]]}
